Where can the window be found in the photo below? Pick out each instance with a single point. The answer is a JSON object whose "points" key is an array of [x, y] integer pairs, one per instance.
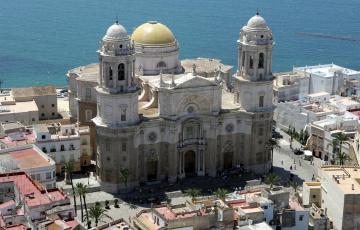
{"points": [[261, 131], [62, 148], [313, 196], [44, 149], [53, 114], [43, 137], [42, 106], [88, 114], [243, 59], [123, 146], [53, 105], [33, 119], [107, 145], [123, 114], [161, 64], [301, 217], [189, 132], [71, 147], [54, 174], [261, 61], [121, 72], [120, 46], [260, 77], [110, 73], [48, 175], [237, 97], [261, 101], [265, 207], [251, 64], [43, 114], [87, 93]]}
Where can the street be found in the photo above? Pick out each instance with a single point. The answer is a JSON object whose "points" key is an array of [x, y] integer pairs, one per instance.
{"points": [[284, 159]]}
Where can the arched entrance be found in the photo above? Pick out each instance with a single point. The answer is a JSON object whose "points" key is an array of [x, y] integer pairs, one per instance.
{"points": [[228, 160], [190, 162], [151, 168]]}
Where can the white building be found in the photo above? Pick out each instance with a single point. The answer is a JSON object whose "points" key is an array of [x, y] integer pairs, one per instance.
{"points": [[61, 142], [340, 195], [327, 78], [26, 112], [32, 160], [322, 134]]}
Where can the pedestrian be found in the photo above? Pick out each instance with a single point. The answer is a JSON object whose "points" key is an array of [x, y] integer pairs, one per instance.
{"points": [[129, 220], [282, 162], [295, 167], [291, 167]]}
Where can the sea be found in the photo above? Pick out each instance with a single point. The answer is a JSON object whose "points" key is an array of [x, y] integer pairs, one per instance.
{"points": [[40, 40]]}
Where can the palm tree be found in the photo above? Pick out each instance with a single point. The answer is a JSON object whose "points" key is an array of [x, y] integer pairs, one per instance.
{"points": [[340, 139], [79, 191], [124, 175], [193, 192], [69, 169], [82, 190], [272, 144], [342, 157], [295, 187], [97, 213], [221, 193], [272, 179]]}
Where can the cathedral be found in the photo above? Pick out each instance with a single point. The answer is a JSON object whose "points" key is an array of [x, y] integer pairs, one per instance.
{"points": [[159, 120]]}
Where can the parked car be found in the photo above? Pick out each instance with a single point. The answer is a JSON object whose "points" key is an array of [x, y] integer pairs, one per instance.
{"points": [[298, 152], [276, 135]]}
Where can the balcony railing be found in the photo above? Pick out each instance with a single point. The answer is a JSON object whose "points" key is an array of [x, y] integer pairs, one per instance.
{"points": [[192, 141]]}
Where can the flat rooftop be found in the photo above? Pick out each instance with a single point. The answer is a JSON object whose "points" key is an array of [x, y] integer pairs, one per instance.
{"points": [[8, 106], [347, 178], [205, 65], [88, 73], [34, 193], [326, 70], [34, 91], [27, 158]]}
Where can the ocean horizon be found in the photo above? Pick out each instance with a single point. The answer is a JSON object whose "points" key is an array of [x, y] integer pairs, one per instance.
{"points": [[41, 40]]}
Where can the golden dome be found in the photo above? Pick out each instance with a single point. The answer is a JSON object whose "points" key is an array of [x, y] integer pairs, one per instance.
{"points": [[153, 33]]}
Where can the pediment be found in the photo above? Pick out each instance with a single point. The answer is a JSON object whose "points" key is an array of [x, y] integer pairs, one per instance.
{"points": [[194, 82]]}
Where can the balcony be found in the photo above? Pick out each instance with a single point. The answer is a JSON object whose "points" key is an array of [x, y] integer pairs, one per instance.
{"points": [[191, 141]]}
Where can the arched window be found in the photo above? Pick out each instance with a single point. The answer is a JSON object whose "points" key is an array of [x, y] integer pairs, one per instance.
{"points": [[251, 62], [243, 59], [110, 73], [261, 61], [121, 72], [161, 64]]}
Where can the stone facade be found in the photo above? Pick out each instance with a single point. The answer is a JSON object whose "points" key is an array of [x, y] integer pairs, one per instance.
{"points": [[167, 125]]}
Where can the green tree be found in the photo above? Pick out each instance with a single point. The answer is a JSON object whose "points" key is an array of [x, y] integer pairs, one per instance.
{"points": [[272, 179], [69, 169], [193, 192], [82, 190], [124, 176], [78, 191], [295, 186], [271, 144], [342, 157], [221, 193], [97, 213], [341, 138]]}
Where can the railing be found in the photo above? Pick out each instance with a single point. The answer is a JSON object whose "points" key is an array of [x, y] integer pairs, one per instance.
{"points": [[192, 141]]}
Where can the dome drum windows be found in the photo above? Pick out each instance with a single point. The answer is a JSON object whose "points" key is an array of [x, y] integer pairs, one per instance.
{"points": [[161, 65], [261, 61], [251, 62], [121, 72]]}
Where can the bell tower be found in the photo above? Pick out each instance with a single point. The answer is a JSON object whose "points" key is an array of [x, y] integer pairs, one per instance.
{"points": [[117, 92], [253, 80]]}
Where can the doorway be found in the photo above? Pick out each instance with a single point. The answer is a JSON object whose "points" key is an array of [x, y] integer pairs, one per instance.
{"points": [[190, 163]]}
